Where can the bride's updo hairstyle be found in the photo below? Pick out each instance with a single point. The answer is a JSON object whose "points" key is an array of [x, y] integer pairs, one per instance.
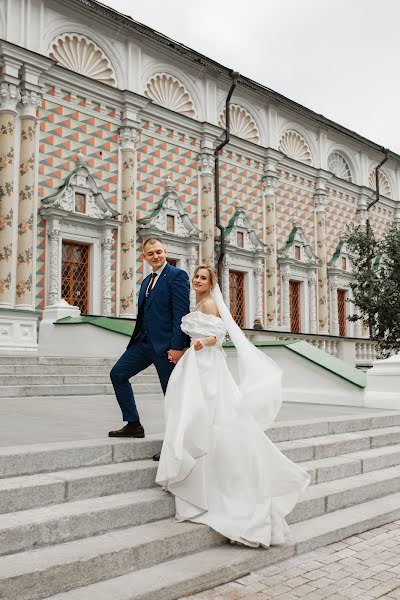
{"points": [[211, 272]]}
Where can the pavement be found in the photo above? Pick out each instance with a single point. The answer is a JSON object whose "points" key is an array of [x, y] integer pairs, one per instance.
{"points": [[365, 566], [58, 418]]}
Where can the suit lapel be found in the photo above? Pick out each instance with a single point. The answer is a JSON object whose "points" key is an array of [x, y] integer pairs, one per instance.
{"points": [[160, 283], [143, 288]]}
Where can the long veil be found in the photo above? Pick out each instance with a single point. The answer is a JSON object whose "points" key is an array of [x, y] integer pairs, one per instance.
{"points": [[260, 378]]}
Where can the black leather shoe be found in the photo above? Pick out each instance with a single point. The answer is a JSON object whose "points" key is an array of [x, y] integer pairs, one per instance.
{"points": [[156, 457], [134, 430]]}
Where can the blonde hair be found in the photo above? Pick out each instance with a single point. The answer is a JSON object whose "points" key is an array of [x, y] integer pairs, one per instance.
{"points": [[211, 272]]}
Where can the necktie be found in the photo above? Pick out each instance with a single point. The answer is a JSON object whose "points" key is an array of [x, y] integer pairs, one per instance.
{"points": [[153, 278]]}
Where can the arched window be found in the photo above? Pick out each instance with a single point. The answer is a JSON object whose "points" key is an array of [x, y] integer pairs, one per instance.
{"points": [[339, 166]]}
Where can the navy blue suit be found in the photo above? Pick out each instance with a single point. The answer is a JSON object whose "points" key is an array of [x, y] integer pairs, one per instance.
{"points": [[157, 330]]}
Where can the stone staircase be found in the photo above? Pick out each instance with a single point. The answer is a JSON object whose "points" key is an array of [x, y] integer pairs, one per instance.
{"points": [[84, 521], [28, 376]]}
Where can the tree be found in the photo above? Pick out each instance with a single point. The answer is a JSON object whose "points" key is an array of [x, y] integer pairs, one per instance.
{"points": [[376, 284]]}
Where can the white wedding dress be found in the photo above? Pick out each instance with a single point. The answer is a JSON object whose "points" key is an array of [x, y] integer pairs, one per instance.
{"points": [[216, 459]]}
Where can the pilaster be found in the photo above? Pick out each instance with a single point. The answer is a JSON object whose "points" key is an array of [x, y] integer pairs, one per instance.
{"points": [[270, 183], [9, 97], [26, 201], [128, 139], [320, 199]]}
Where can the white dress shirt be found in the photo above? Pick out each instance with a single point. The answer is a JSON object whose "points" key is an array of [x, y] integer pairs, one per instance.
{"points": [[158, 273]]}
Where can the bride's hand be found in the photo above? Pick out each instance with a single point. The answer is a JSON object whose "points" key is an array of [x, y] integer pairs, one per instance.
{"points": [[198, 345]]}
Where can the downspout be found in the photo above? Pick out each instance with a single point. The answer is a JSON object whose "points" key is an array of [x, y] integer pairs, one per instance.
{"points": [[226, 133], [370, 205], [386, 153]]}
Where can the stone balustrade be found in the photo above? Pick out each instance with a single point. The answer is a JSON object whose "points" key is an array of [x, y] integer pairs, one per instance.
{"points": [[358, 352]]}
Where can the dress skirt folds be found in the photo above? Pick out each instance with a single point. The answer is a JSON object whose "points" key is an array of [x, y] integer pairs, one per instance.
{"points": [[216, 459]]}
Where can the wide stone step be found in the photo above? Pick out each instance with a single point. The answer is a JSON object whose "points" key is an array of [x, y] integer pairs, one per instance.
{"points": [[293, 430], [336, 495], [337, 444], [36, 574], [40, 458], [61, 370], [206, 569], [50, 525], [61, 522], [346, 465], [26, 492], [142, 384], [57, 456], [32, 491], [18, 391]]}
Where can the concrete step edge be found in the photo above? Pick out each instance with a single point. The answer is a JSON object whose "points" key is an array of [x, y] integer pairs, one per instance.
{"points": [[34, 491], [42, 571], [204, 570]]}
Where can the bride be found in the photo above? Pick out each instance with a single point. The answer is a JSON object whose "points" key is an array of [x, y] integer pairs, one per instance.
{"points": [[216, 459]]}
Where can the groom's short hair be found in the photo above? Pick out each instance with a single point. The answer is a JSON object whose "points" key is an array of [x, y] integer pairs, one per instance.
{"points": [[152, 241]]}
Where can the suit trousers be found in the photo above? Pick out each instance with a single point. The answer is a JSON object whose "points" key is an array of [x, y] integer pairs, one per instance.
{"points": [[136, 358]]}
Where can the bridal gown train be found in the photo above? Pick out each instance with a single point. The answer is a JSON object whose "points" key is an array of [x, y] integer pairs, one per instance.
{"points": [[216, 459]]}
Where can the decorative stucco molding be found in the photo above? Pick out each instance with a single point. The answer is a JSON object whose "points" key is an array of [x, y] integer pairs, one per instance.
{"points": [[384, 185], [166, 90], [80, 54], [295, 146], [242, 123]]}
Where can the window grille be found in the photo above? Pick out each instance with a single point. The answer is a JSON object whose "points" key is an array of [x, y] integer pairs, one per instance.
{"points": [[295, 306], [341, 304], [75, 275], [237, 297]]}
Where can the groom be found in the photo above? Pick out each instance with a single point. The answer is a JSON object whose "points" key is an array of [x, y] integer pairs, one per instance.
{"points": [[157, 338]]}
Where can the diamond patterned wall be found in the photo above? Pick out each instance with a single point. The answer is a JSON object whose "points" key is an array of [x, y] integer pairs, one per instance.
{"points": [[341, 210], [241, 185], [163, 153], [67, 128]]}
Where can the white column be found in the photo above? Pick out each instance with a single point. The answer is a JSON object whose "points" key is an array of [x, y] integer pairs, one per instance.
{"points": [[54, 294], [334, 307], [312, 283], [191, 261], [106, 243], [285, 301], [225, 281], [258, 274]]}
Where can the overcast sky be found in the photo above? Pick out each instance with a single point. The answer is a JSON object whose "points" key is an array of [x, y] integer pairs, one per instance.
{"points": [[338, 57]]}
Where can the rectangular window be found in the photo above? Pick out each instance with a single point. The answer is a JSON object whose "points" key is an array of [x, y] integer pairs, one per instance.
{"points": [[295, 306], [297, 252], [80, 203], [240, 239], [171, 261], [341, 304], [170, 223], [237, 297], [344, 263], [75, 274]]}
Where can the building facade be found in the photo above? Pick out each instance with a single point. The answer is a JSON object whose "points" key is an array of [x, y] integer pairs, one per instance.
{"points": [[107, 132]]}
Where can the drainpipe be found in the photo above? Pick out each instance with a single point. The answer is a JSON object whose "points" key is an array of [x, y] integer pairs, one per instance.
{"points": [[386, 153], [370, 205], [226, 138]]}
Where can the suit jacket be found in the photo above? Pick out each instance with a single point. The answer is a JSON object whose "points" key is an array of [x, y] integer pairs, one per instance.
{"points": [[161, 313]]}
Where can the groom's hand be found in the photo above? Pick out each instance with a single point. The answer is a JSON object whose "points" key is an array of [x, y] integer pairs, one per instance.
{"points": [[175, 355]]}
